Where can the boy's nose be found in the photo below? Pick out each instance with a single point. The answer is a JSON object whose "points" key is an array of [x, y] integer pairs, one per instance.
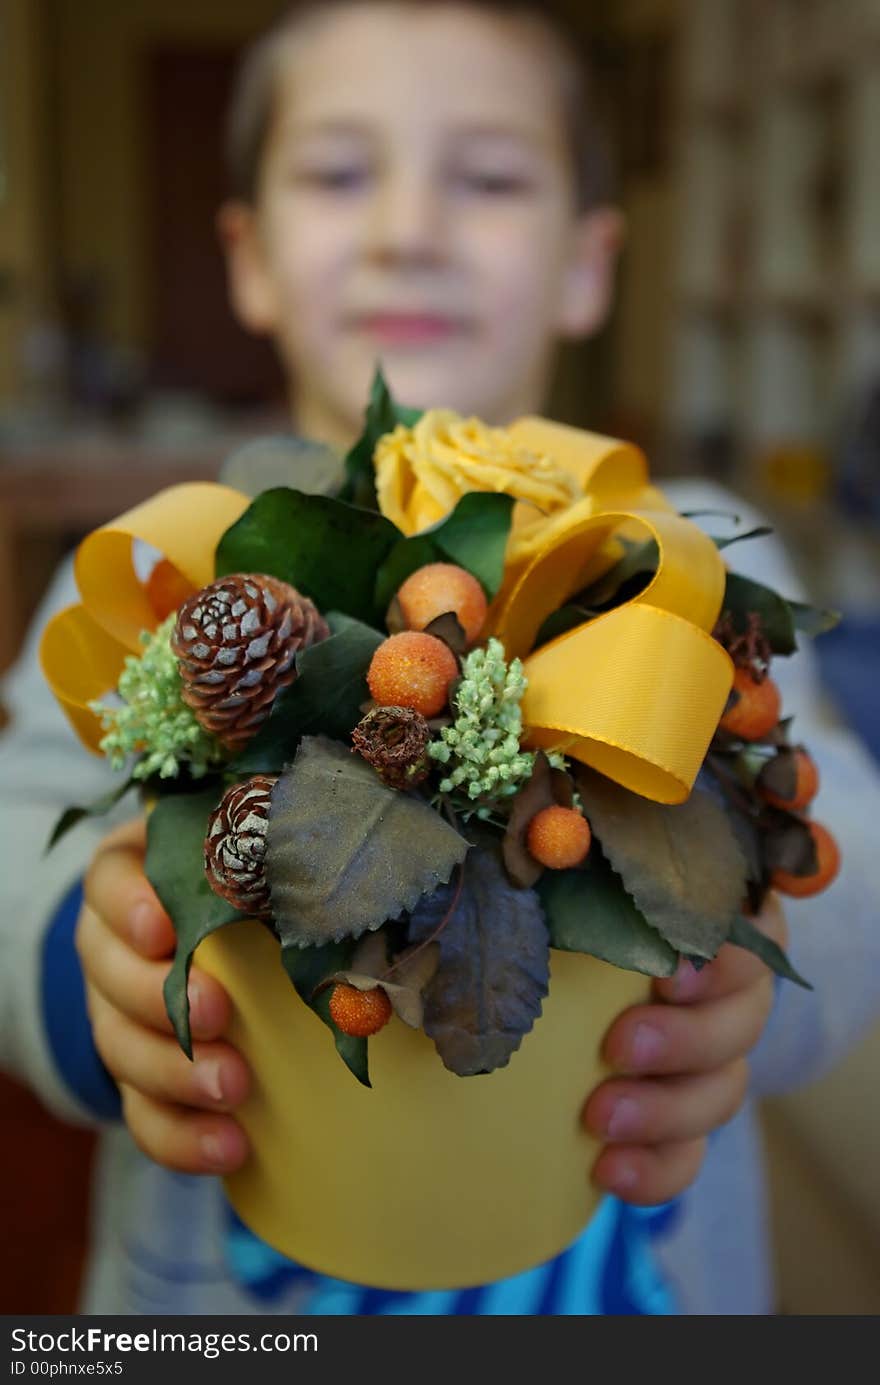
{"points": [[407, 223]]}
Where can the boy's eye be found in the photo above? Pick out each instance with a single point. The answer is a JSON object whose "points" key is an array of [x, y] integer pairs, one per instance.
{"points": [[489, 183], [332, 177]]}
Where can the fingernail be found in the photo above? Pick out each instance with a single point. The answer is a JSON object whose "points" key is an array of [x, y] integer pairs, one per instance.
{"points": [[196, 1004], [209, 1079], [141, 923], [686, 982], [625, 1119], [623, 1180], [647, 1045], [217, 1150]]}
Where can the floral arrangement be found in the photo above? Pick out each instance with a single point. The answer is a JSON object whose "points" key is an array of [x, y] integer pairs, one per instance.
{"points": [[478, 695]]}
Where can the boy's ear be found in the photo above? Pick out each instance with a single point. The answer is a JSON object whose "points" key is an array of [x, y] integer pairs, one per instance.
{"points": [[589, 279], [250, 288]]}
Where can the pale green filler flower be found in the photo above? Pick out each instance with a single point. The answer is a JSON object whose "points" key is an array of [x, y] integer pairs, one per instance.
{"points": [[154, 721], [482, 746]]}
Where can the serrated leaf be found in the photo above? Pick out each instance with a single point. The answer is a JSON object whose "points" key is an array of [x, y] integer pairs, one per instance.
{"points": [[175, 867], [588, 910], [345, 853], [681, 864], [77, 813], [743, 933], [494, 967], [742, 596], [382, 416], [307, 967], [328, 550], [326, 698], [284, 459]]}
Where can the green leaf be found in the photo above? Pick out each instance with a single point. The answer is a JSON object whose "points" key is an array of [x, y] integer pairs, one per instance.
{"points": [[405, 558], [382, 416], [494, 966], [475, 536], [73, 815], [743, 596], [327, 696], [327, 550], [345, 853], [589, 911], [813, 620], [175, 867], [307, 967], [743, 933], [682, 864], [760, 532], [283, 460]]}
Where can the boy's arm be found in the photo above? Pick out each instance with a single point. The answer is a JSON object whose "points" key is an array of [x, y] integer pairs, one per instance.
{"points": [[45, 1039], [835, 936]]}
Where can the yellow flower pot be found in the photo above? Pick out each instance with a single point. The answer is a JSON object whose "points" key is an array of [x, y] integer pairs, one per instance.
{"points": [[428, 1180]]}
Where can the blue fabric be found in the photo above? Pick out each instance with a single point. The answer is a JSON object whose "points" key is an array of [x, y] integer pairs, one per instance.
{"points": [[849, 657], [66, 1019], [609, 1270]]}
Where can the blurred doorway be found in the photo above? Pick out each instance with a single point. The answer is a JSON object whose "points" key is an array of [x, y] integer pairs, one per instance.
{"points": [[196, 343]]}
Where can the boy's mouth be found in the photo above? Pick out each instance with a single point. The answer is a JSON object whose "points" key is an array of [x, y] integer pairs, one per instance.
{"points": [[408, 329]]}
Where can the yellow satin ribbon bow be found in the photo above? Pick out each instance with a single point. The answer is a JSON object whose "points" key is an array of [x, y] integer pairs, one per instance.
{"points": [[83, 649], [636, 693]]}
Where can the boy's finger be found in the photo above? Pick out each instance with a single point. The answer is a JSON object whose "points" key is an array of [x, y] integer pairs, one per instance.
{"points": [[134, 985], [647, 1176], [154, 1064], [688, 1038], [733, 968], [187, 1141], [119, 891], [659, 1110]]}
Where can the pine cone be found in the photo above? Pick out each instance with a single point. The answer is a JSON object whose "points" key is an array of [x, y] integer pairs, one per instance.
{"points": [[394, 740], [235, 845], [235, 643]]}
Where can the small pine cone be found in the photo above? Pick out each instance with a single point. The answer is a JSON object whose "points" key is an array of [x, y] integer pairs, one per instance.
{"points": [[235, 643], [235, 845], [394, 740]]}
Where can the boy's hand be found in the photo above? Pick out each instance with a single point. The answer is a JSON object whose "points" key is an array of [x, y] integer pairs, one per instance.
{"points": [[173, 1108], [683, 1071]]}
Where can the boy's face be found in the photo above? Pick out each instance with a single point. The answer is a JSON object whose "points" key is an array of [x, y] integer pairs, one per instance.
{"points": [[416, 206]]}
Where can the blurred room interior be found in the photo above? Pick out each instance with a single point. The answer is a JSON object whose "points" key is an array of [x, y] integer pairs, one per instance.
{"points": [[745, 346]]}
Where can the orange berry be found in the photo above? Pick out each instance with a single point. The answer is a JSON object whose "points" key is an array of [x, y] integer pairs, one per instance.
{"points": [[440, 587], [412, 670], [559, 837], [828, 855], [167, 589], [756, 710], [805, 788], [359, 1013]]}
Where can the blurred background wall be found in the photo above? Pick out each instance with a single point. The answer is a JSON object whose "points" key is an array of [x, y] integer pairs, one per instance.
{"points": [[745, 346]]}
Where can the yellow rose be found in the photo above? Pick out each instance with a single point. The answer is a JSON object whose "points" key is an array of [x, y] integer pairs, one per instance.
{"points": [[422, 472]]}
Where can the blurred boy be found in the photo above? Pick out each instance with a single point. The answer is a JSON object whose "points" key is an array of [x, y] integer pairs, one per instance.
{"points": [[416, 182]]}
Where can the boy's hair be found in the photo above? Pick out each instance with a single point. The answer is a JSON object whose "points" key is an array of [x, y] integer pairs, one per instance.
{"points": [[254, 93]]}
